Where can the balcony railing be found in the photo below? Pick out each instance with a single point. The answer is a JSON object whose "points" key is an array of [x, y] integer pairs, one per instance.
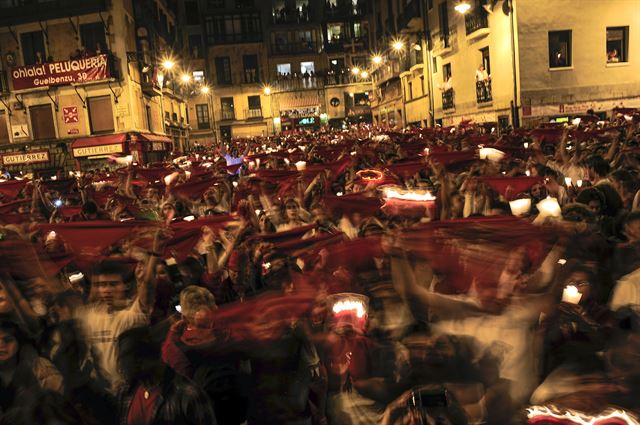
{"points": [[291, 83], [448, 101], [228, 115], [475, 21], [294, 48], [290, 16], [253, 113], [204, 125], [483, 91], [345, 10], [14, 12], [234, 38], [334, 46]]}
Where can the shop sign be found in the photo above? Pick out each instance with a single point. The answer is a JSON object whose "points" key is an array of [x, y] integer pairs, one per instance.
{"points": [[307, 121], [73, 131], [61, 73], [70, 114], [25, 158], [98, 150]]}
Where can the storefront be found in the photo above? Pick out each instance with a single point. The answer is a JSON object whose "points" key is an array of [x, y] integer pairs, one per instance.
{"points": [[93, 152], [23, 162]]}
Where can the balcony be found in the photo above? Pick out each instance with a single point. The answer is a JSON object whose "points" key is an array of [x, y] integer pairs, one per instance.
{"points": [[253, 113], [443, 43], [476, 23], [15, 12], [334, 46], [286, 16], [345, 10], [234, 38], [448, 101], [295, 48], [228, 115], [290, 83], [410, 17], [483, 91]]}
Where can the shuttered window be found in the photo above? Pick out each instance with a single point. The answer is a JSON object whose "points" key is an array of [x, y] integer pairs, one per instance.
{"points": [[100, 114], [42, 122]]}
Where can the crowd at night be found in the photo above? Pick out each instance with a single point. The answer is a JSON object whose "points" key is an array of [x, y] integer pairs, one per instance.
{"points": [[444, 275]]}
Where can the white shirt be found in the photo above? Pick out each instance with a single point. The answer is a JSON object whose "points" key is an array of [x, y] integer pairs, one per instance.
{"points": [[626, 293], [102, 329]]}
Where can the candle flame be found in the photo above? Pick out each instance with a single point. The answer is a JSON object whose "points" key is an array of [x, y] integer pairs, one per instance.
{"points": [[349, 305], [578, 418]]}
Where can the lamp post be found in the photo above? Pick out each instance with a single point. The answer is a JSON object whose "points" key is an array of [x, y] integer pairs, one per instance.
{"points": [[267, 92], [205, 90]]}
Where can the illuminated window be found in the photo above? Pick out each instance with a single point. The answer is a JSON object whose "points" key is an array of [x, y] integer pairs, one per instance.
{"points": [[617, 44], [559, 49]]}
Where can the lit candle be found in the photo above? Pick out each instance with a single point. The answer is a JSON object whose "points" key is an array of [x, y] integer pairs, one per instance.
{"points": [[301, 165], [567, 181], [528, 173], [579, 183], [571, 295], [520, 206], [526, 145], [235, 184], [549, 207]]}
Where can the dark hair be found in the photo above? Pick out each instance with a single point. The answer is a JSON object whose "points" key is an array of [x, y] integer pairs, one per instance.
{"points": [[112, 267], [598, 164], [577, 213], [12, 328], [632, 216], [592, 194], [628, 180], [89, 207]]}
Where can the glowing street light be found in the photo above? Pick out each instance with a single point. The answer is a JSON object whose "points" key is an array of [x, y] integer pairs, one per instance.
{"points": [[398, 45], [364, 74], [185, 78], [205, 90], [168, 64], [266, 90], [377, 59], [355, 70], [462, 7]]}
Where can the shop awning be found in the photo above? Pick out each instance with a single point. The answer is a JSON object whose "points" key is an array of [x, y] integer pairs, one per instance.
{"points": [[155, 138], [299, 102], [99, 145]]}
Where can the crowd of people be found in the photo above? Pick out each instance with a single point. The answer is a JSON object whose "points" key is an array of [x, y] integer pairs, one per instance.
{"points": [[442, 275]]}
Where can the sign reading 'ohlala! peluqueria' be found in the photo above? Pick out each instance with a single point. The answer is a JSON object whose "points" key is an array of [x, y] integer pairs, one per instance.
{"points": [[61, 73]]}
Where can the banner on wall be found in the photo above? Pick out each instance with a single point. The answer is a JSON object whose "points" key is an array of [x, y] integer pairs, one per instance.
{"points": [[93, 68]]}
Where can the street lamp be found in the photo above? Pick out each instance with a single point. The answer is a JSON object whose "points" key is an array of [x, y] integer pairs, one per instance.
{"points": [[168, 64], [398, 45], [266, 90], [185, 78], [376, 59], [206, 91], [364, 75], [462, 7], [355, 70]]}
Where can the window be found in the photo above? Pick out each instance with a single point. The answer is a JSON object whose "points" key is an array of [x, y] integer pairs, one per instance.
{"points": [[284, 68], [32, 45], [223, 70], [429, 4], [435, 65], [559, 49], [100, 114], [202, 114], [195, 46], [335, 32], [92, 37], [336, 65], [486, 62], [42, 122], [617, 44], [233, 28], [357, 30], [446, 72], [410, 91], [174, 117], [307, 67], [255, 108], [443, 15], [192, 13], [228, 112], [251, 74], [198, 76], [149, 119], [361, 99], [4, 132]]}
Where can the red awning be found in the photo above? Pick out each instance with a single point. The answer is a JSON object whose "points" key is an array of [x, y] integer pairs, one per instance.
{"points": [[108, 139], [155, 138]]}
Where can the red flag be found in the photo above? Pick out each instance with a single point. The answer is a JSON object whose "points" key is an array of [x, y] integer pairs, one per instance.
{"points": [[10, 189]]}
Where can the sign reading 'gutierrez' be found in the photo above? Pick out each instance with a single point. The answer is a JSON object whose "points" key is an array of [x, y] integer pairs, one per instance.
{"points": [[61, 73]]}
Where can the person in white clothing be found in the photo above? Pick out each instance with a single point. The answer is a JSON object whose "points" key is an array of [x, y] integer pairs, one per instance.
{"points": [[111, 312]]}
